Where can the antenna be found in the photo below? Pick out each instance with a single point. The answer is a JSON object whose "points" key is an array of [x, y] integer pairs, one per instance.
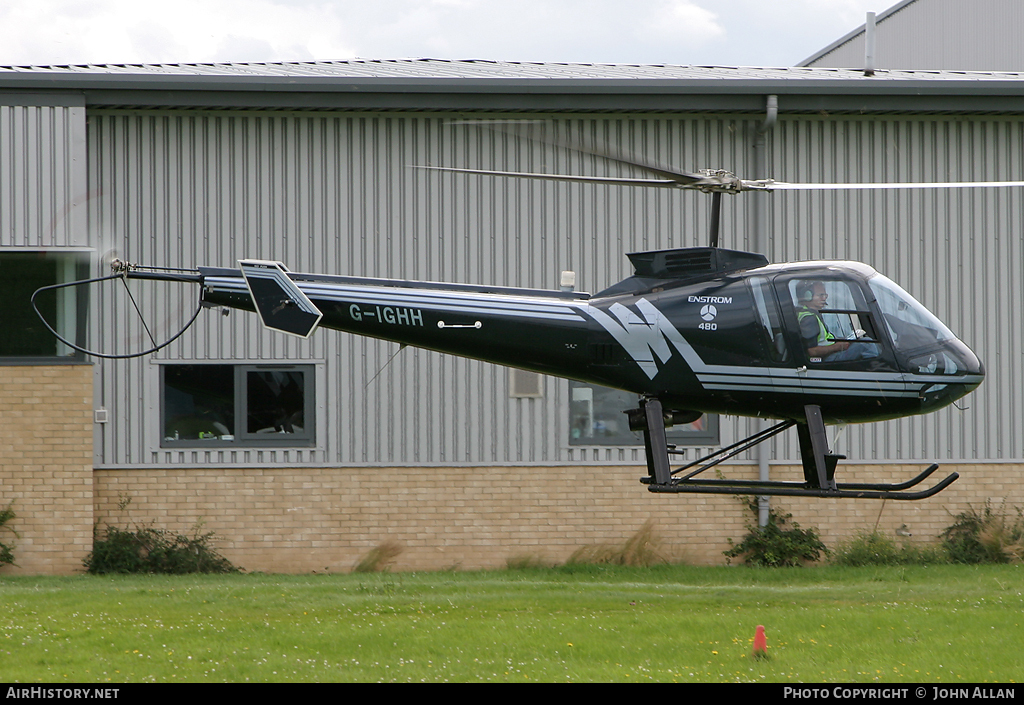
{"points": [[869, 45]]}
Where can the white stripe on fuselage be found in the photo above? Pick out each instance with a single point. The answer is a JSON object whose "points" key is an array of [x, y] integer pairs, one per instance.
{"points": [[458, 302], [646, 335], [465, 302]]}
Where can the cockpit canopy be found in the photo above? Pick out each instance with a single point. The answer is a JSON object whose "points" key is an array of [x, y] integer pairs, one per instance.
{"points": [[847, 316], [911, 326]]}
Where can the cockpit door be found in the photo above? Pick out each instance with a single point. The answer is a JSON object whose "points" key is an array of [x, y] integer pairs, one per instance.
{"points": [[839, 343], [780, 366]]}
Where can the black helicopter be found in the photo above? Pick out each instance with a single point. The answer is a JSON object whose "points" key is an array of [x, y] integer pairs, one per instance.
{"points": [[693, 331]]}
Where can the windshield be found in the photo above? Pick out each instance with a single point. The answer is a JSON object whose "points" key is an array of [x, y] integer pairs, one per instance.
{"points": [[910, 324]]}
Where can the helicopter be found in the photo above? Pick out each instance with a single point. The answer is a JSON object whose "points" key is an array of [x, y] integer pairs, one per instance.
{"points": [[694, 330]]}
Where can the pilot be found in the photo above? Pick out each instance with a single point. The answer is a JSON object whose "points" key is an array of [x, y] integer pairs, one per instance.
{"points": [[819, 341]]}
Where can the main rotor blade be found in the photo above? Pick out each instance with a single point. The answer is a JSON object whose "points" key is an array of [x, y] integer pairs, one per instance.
{"points": [[770, 185], [558, 177], [537, 131]]}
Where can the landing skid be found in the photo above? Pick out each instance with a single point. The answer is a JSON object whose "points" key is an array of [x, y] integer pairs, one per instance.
{"points": [[819, 464]]}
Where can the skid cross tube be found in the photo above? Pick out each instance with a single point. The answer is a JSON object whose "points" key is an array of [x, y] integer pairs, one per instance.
{"points": [[818, 461], [730, 451]]}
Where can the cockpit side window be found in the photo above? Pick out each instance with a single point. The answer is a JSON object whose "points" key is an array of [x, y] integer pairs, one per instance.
{"points": [[770, 319], [834, 321]]}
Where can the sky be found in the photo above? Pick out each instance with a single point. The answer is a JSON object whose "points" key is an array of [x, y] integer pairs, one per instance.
{"points": [[697, 32]]}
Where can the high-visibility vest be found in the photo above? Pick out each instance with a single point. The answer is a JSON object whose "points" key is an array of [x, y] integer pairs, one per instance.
{"points": [[824, 337]]}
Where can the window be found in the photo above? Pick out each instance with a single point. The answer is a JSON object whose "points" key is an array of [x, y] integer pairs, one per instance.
{"points": [[223, 405], [597, 418], [834, 322], [22, 273], [911, 326], [770, 319]]}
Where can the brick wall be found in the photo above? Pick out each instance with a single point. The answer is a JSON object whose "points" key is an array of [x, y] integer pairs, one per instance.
{"points": [[300, 520], [325, 519], [838, 520], [46, 470]]}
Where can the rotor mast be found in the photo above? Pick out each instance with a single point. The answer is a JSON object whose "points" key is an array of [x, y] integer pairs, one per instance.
{"points": [[716, 218]]}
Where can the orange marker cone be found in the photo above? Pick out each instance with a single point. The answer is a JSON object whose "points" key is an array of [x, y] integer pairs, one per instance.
{"points": [[760, 643]]}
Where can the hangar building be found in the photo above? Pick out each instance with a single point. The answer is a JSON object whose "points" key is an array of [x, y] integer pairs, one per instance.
{"points": [[463, 463]]}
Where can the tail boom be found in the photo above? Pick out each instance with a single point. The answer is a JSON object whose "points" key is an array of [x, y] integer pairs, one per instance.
{"points": [[544, 331]]}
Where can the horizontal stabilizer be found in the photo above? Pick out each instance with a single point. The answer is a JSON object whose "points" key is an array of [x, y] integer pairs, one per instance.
{"points": [[279, 302]]}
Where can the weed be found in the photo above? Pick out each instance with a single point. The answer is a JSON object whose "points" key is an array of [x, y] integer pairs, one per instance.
{"points": [[922, 555], [7, 550], [595, 554], [643, 549], [149, 550], [875, 548], [775, 545], [527, 561], [984, 537], [380, 558], [387, 587], [867, 548]]}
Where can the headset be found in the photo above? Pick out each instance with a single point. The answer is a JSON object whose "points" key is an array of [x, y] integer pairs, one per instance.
{"points": [[805, 290]]}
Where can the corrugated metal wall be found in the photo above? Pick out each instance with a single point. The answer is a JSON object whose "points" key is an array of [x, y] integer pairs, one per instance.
{"points": [[42, 176], [335, 193]]}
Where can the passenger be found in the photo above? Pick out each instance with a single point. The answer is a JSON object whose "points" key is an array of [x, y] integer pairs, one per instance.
{"points": [[819, 341]]}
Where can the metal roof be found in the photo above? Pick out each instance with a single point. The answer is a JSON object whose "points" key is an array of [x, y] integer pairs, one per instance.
{"points": [[480, 68], [436, 84]]}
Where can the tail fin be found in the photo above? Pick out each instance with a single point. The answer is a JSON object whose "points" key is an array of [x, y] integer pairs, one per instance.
{"points": [[279, 302]]}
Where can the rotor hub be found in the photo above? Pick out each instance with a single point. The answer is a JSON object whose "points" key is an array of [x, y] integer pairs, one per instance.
{"points": [[718, 181]]}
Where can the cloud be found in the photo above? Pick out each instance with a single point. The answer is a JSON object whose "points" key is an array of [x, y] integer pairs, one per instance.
{"points": [[127, 31], [530, 30], [680, 21], [600, 31]]}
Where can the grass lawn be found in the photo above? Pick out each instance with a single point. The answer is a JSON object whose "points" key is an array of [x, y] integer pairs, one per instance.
{"points": [[942, 624]]}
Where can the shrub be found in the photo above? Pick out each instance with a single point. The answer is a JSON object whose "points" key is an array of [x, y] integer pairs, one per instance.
{"points": [[875, 548], [7, 550], [984, 537], [775, 545], [149, 550]]}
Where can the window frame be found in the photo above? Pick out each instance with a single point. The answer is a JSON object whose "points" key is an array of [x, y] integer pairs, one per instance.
{"points": [[867, 319], [772, 321], [242, 438]]}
